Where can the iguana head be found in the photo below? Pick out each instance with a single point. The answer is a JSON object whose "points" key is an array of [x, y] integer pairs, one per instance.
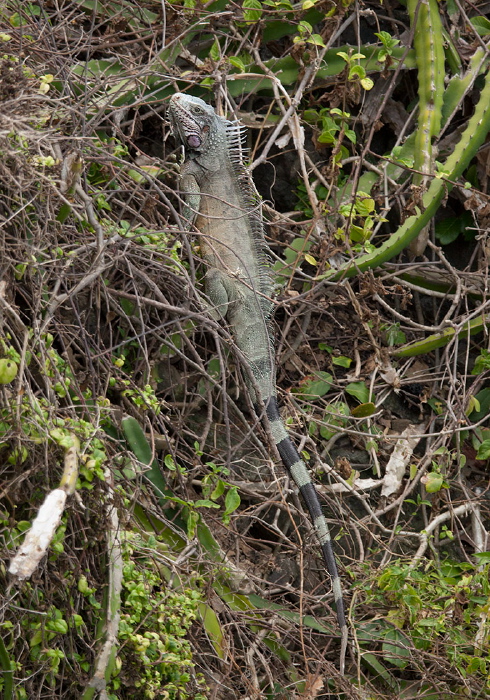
{"points": [[195, 123]]}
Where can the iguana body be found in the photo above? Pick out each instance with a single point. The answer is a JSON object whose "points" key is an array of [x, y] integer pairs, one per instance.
{"points": [[222, 204]]}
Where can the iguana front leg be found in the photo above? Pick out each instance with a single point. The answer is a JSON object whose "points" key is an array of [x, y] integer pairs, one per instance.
{"points": [[217, 295], [192, 197]]}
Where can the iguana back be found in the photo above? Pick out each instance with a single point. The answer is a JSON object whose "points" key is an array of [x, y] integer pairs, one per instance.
{"points": [[225, 209]]}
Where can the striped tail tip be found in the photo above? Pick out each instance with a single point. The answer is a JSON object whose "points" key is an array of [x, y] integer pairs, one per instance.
{"points": [[299, 472]]}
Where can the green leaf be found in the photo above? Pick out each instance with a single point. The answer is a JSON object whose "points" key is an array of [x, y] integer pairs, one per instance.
{"points": [[311, 116], [394, 336], [482, 362], [399, 652], [342, 361], [192, 520], [473, 405], [136, 439], [367, 83], [364, 410], [169, 463], [232, 500], [205, 503], [387, 40], [234, 600], [433, 482], [357, 73], [238, 63], [325, 137], [483, 558], [359, 390], [483, 450], [36, 638], [310, 259], [316, 40], [213, 629], [449, 229], [7, 665], [365, 204], [333, 416], [219, 490], [351, 135], [316, 385], [253, 11], [481, 24], [59, 626], [483, 398], [437, 405], [215, 50], [305, 27]]}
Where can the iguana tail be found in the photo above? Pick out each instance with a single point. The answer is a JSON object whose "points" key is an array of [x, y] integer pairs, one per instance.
{"points": [[298, 470]]}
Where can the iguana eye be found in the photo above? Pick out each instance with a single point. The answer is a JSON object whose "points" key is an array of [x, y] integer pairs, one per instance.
{"points": [[198, 110]]}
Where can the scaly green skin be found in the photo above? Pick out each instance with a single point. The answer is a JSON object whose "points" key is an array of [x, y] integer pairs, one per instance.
{"points": [[221, 202]]}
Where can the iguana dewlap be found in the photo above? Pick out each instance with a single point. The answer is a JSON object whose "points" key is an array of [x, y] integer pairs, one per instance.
{"points": [[221, 202]]}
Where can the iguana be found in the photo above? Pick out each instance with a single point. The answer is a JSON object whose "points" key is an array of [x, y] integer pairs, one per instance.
{"points": [[221, 201]]}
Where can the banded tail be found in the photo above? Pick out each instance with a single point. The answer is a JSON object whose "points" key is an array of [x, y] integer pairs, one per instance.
{"points": [[298, 470]]}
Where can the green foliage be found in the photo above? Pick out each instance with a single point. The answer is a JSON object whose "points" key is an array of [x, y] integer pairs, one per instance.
{"points": [[433, 481], [335, 415], [333, 125], [341, 361], [357, 72], [389, 43], [359, 390], [392, 334], [214, 486], [39, 427], [294, 255], [314, 386], [364, 410], [252, 11], [433, 604], [337, 359], [483, 452], [482, 362], [449, 229], [143, 398], [155, 656], [306, 35], [481, 24], [361, 216], [155, 240]]}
